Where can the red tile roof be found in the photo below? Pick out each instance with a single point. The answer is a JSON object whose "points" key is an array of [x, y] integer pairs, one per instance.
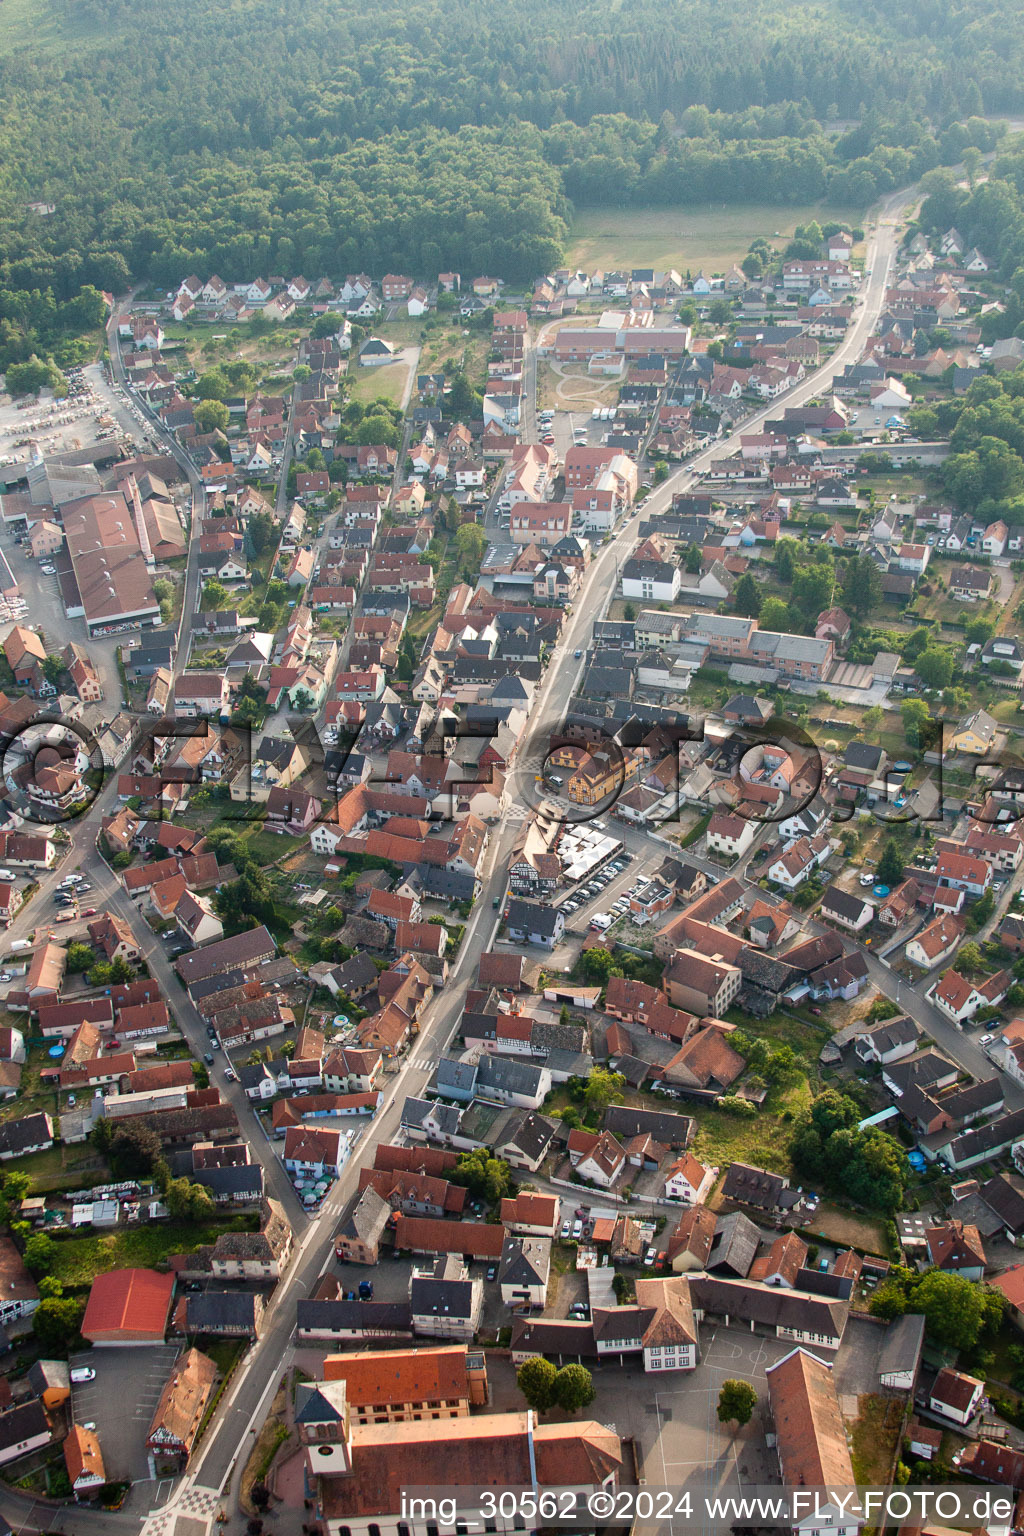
{"points": [[132, 1303]]}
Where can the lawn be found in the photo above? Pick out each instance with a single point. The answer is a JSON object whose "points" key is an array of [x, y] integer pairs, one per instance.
{"points": [[63, 1167], [763, 1139], [78, 1259], [684, 238], [384, 383]]}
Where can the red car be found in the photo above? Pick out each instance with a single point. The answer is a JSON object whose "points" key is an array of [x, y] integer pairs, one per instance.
{"points": [[89, 912], [548, 440]]}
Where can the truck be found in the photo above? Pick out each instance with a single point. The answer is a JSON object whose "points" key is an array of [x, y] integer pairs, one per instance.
{"points": [[21, 944]]}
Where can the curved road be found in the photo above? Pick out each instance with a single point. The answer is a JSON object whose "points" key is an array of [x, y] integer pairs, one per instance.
{"points": [[219, 1461]]}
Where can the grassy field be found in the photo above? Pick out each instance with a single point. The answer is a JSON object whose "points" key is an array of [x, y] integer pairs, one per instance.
{"points": [[763, 1140], [78, 1259], [63, 1167], [384, 383], [685, 238]]}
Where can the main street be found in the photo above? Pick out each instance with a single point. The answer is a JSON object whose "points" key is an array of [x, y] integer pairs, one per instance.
{"points": [[221, 1457]]}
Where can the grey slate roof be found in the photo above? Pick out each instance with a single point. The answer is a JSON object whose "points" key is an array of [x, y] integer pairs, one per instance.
{"points": [[902, 1345], [216, 1311]]}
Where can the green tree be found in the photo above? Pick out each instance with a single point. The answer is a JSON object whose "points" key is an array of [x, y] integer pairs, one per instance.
{"points": [[536, 1381], [486, 1178], [888, 1302], [747, 596], [53, 669], [786, 551], [890, 865], [916, 717], [934, 666], [215, 595], [211, 416], [40, 1251], [79, 958], [34, 375], [774, 615], [603, 1088], [56, 1323], [952, 1308], [471, 541], [736, 1402], [813, 589], [597, 965], [213, 385], [694, 560], [969, 959], [573, 1388], [862, 586], [186, 1201]]}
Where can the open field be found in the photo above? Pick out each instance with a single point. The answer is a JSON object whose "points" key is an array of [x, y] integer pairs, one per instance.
{"points": [[763, 1140], [685, 238], [384, 383]]}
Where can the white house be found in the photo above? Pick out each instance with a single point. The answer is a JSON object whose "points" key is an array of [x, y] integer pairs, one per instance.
{"points": [[655, 581], [730, 834], [598, 1158], [524, 1271], [956, 1396], [689, 1180]]}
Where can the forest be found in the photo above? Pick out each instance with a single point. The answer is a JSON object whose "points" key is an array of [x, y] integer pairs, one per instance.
{"points": [[246, 139]]}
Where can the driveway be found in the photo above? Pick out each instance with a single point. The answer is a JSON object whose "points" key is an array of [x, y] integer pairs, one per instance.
{"points": [[121, 1402]]}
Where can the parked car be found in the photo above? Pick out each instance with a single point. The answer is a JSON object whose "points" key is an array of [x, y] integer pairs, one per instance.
{"points": [[649, 1258], [82, 1373], [577, 1230], [566, 1228], [492, 1271]]}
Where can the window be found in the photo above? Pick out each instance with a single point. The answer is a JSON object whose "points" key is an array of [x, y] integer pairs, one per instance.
{"points": [[374, 1530]]}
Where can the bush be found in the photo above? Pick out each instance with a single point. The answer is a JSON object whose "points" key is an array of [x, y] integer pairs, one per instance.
{"points": [[734, 1105]]}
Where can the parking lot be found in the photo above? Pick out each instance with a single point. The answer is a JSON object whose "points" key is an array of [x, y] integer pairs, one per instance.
{"points": [[44, 611], [121, 1401]]}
